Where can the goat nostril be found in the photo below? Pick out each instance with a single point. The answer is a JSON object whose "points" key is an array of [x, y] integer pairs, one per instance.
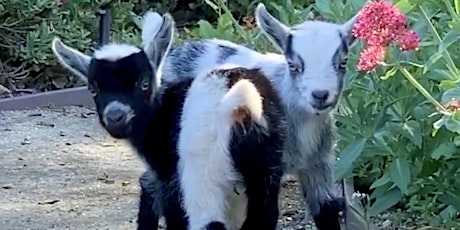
{"points": [[320, 95], [115, 116]]}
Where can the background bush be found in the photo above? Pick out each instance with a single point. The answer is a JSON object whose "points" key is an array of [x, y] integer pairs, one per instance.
{"points": [[393, 141]]}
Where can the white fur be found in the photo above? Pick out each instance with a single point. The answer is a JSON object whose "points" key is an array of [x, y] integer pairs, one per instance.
{"points": [[151, 26], [310, 39], [244, 93], [57, 46], [206, 169], [115, 51], [151, 23]]}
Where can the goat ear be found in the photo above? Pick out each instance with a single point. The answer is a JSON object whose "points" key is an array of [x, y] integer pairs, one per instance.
{"points": [[157, 36], [347, 29], [72, 59], [276, 31]]}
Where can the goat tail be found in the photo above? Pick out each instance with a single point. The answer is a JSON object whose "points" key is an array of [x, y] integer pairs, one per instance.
{"points": [[243, 104]]}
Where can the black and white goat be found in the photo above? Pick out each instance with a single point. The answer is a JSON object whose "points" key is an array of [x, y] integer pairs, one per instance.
{"points": [[309, 76], [202, 137]]}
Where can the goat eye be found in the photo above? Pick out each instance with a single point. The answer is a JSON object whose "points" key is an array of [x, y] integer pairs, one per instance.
{"points": [[343, 63], [144, 86], [293, 68]]}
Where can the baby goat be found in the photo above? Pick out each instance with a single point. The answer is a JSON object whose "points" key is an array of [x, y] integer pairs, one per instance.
{"points": [[309, 76], [203, 137], [131, 105]]}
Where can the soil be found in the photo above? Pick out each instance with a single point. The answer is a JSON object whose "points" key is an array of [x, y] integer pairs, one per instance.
{"points": [[60, 170]]}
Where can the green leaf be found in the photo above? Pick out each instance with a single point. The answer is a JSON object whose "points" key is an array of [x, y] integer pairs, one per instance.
{"points": [[431, 61], [383, 203], [451, 94], [448, 84], [381, 181], [205, 29], [347, 156], [400, 174], [445, 150], [213, 5], [450, 38], [404, 5], [450, 198], [323, 7], [452, 124], [411, 130]]}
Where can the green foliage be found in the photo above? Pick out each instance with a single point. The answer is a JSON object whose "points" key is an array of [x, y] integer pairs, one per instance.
{"points": [[394, 134], [28, 27]]}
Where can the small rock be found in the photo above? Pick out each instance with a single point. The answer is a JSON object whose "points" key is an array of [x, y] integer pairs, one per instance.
{"points": [[7, 186], [109, 181], [107, 145], [386, 223], [48, 202], [35, 115], [42, 123], [125, 183], [87, 135], [86, 115], [289, 218], [61, 163], [62, 134], [26, 141], [290, 213], [67, 143]]}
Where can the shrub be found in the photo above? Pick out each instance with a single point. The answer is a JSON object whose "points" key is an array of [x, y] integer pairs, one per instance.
{"points": [[27, 28]]}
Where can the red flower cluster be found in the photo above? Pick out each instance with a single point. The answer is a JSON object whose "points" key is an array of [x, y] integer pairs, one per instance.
{"points": [[380, 23]]}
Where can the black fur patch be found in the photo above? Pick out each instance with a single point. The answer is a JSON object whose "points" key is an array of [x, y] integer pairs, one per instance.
{"points": [[224, 53], [183, 58], [216, 226], [257, 154], [329, 218]]}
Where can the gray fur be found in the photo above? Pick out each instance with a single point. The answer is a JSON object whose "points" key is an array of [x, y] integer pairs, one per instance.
{"points": [[182, 60], [225, 52]]}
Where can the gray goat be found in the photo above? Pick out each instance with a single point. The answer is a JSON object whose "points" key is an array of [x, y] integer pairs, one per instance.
{"points": [[308, 75]]}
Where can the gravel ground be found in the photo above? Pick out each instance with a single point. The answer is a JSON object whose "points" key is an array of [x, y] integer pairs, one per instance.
{"points": [[60, 170]]}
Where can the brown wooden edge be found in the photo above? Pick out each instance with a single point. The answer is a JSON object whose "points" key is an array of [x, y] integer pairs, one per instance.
{"points": [[78, 96]]}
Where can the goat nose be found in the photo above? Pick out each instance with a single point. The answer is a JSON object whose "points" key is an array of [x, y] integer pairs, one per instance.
{"points": [[320, 95], [115, 116]]}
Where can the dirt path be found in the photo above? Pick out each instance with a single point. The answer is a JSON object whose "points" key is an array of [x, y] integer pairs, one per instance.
{"points": [[60, 170]]}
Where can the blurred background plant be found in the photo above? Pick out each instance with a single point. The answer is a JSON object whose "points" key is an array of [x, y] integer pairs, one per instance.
{"points": [[399, 125]]}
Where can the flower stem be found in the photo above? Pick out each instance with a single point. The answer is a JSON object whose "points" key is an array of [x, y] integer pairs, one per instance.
{"points": [[422, 90]]}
